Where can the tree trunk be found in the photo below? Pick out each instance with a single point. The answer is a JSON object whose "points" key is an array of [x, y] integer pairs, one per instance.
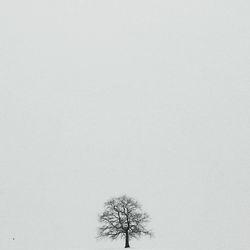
{"points": [[127, 240]]}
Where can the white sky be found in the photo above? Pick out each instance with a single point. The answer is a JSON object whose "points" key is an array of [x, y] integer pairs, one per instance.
{"points": [[147, 98]]}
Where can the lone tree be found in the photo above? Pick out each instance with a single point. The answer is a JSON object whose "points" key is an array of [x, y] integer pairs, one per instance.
{"points": [[123, 218]]}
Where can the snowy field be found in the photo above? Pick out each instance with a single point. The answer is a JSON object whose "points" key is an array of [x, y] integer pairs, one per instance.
{"points": [[145, 98]]}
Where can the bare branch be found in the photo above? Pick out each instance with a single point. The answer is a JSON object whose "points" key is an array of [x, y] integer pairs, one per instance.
{"points": [[123, 217]]}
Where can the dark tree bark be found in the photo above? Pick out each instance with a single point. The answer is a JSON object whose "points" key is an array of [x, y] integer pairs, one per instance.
{"points": [[123, 218], [127, 240]]}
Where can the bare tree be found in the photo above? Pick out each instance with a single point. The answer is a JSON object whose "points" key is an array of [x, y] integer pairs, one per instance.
{"points": [[123, 218]]}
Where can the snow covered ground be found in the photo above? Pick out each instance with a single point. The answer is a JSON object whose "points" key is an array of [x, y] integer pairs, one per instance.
{"points": [[145, 98]]}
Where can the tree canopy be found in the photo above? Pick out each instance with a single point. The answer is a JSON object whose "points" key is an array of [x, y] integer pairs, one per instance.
{"points": [[123, 218]]}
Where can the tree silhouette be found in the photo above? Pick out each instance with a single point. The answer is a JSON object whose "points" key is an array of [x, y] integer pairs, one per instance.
{"points": [[123, 217]]}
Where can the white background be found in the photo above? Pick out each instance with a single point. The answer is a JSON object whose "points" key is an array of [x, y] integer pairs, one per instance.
{"points": [[145, 98]]}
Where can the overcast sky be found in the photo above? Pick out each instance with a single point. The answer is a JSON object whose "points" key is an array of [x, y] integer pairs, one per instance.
{"points": [[145, 98]]}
